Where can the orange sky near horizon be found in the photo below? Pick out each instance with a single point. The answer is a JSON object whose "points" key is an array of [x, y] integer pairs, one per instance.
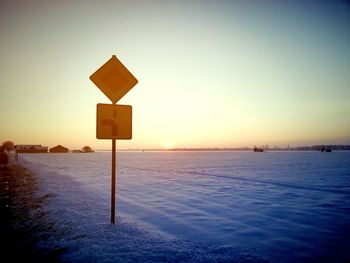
{"points": [[211, 74]]}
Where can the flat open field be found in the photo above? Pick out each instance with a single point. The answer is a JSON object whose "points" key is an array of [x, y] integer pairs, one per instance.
{"points": [[196, 206]]}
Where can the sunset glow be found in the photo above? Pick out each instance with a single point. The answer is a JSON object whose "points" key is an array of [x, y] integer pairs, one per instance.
{"points": [[168, 145], [211, 74]]}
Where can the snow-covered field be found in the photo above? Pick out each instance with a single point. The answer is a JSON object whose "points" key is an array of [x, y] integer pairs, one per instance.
{"points": [[197, 206]]}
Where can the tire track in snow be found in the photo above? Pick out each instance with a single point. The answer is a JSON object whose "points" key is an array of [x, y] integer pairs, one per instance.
{"points": [[239, 178], [199, 206]]}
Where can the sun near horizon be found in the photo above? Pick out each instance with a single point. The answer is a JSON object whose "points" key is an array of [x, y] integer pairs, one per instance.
{"points": [[211, 74]]}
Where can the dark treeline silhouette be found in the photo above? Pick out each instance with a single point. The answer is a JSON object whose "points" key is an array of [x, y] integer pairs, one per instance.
{"points": [[333, 147]]}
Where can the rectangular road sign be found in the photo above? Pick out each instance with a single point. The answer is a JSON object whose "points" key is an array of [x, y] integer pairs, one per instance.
{"points": [[114, 121], [113, 79]]}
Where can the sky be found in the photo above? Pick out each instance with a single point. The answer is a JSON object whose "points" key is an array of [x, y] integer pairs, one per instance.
{"points": [[210, 73]]}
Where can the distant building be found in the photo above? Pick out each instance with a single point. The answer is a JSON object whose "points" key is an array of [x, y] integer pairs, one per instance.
{"points": [[59, 149], [30, 148], [256, 149]]}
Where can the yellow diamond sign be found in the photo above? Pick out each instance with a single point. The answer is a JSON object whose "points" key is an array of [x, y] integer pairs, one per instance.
{"points": [[113, 79], [114, 121]]}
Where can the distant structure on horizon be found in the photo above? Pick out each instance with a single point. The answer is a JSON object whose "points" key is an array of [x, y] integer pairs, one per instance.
{"points": [[85, 149], [59, 149], [325, 149], [31, 148], [256, 149]]}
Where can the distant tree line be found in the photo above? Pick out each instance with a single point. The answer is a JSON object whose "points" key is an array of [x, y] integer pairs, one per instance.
{"points": [[332, 147], [320, 147], [8, 146]]}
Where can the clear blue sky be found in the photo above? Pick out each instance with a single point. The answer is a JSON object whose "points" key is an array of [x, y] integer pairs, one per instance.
{"points": [[211, 73]]}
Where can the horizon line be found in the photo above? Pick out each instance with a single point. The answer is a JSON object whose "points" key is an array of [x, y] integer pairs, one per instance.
{"points": [[244, 148]]}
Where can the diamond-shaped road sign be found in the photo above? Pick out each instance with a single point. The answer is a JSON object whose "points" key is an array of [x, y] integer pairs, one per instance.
{"points": [[114, 121], [113, 79]]}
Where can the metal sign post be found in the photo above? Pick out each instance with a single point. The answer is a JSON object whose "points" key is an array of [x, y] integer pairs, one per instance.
{"points": [[114, 172], [113, 121]]}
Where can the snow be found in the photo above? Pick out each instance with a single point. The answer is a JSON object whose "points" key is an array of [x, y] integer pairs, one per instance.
{"points": [[197, 206]]}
